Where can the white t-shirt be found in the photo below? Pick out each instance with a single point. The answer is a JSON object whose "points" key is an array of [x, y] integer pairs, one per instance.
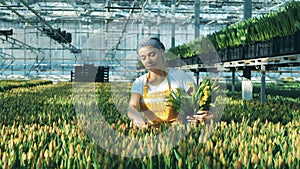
{"points": [[177, 79]]}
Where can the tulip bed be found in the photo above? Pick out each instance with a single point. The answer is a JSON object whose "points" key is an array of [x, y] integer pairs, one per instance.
{"points": [[10, 84], [39, 129]]}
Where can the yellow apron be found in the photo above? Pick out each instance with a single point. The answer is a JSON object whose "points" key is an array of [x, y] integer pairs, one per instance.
{"points": [[155, 106]]}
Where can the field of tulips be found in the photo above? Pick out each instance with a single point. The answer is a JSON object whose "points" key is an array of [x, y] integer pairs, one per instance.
{"points": [[10, 84], [40, 128]]}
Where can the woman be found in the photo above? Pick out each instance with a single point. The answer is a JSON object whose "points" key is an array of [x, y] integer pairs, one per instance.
{"points": [[149, 91]]}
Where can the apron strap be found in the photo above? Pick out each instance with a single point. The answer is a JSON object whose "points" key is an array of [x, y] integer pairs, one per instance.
{"points": [[146, 87]]}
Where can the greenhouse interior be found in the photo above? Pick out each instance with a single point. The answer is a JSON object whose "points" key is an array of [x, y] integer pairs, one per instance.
{"points": [[71, 69]]}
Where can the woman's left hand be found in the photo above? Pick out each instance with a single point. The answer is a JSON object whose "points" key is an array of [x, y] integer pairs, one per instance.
{"points": [[140, 124], [200, 117]]}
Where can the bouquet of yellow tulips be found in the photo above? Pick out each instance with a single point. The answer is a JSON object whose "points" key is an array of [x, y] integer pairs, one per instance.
{"points": [[201, 98]]}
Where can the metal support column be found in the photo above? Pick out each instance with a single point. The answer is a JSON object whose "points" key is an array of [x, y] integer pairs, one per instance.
{"points": [[197, 18], [263, 84], [25, 54], [232, 80], [108, 4], [158, 23], [197, 76], [173, 23], [247, 73], [247, 9]]}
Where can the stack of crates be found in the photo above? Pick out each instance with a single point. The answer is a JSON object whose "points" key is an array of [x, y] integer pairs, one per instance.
{"points": [[90, 73], [102, 74], [85, 73]]}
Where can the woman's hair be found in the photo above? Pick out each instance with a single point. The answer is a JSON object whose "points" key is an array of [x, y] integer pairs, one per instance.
{"points": [[150, 41]]}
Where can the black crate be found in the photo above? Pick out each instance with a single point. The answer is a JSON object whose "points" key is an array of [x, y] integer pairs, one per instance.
{"points": [[85, 73], [102, 74]]}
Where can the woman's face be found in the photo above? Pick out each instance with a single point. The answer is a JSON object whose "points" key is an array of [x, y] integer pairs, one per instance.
{"points": [[151, 58]]}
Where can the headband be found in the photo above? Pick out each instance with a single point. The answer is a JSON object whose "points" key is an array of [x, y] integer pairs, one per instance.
{"points": [[150, 41]]}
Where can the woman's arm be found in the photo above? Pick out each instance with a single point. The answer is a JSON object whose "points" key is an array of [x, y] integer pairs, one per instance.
{"points": [[133, 113]]}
